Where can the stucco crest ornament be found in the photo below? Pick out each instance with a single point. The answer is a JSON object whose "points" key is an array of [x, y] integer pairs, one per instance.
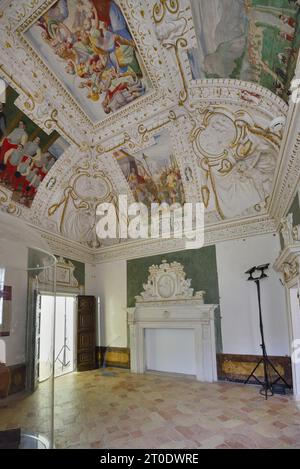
{"points": [[168, 282], [64, 274]]}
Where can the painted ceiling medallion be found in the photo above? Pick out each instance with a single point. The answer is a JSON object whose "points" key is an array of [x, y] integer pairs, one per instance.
{"points": [[88, 46]]}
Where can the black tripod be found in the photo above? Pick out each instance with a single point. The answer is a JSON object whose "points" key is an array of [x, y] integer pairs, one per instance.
{"points": [[64, 350], [267, 384]]}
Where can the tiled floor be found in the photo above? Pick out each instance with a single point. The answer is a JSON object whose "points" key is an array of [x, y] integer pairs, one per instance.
{"points": [[122, 410]]}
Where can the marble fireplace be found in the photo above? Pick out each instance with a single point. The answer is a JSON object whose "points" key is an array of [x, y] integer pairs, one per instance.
{"points": [[168, 305]]}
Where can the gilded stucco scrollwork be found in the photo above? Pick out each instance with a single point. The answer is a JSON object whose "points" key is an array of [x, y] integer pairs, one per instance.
{"points": [[237, 157], [75, 210], [172, 25], [227, 152]]}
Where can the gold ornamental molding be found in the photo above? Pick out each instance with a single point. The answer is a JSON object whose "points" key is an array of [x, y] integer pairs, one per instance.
{"points": [[50, 124], [30, 104], [160, 8], [143, 130]]}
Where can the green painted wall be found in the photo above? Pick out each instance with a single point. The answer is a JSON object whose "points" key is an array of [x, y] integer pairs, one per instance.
{"points": [[79, 272], [200, 266]]}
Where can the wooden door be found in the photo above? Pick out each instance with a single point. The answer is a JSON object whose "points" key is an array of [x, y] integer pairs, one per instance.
{"points": [[33, 337], [86, 333]]}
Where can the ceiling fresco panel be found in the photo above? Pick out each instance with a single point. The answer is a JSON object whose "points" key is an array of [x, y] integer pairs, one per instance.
{"points": [[27, 153], [89, 48], [253, 40], [153, 174]]}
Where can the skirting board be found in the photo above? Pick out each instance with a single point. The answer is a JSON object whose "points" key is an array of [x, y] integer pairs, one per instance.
{"points": [[113, 357], [237, 368], [12, 379]]}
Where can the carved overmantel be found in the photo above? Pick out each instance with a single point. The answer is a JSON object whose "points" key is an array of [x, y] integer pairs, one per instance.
{"points": [[168, 282], [288, 261], [169, 302]]}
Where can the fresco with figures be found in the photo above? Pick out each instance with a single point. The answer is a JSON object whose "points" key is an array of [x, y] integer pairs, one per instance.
{"points": [[26, 152], [153, 175], [254, 40], [88, 46]]}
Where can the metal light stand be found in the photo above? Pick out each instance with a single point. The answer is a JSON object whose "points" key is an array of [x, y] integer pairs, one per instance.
{"points": [[64, 349], [267, 384]]}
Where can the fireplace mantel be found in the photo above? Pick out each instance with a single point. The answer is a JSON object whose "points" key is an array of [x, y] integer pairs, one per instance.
{"points": [[168, 302]]}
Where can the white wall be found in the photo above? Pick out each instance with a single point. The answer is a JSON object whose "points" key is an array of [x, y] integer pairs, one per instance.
{"points": [[163, 353], [91, 280], [112, 290], [238, 298]]}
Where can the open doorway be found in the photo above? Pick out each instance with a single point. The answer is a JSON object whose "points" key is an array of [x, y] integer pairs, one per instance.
{"points": [[295, 336], [65, 334]]}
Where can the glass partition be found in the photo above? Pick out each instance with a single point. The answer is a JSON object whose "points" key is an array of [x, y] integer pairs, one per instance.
{"points": [[27, 269]]}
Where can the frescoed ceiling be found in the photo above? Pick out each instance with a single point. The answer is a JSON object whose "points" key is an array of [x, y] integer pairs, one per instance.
{"points": [[89, 48], [253, 40], [162, 100]]}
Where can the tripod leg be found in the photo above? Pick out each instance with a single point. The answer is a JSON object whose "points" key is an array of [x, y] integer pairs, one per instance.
{"points": [[267, 382], [253, 373], [278, 374]]}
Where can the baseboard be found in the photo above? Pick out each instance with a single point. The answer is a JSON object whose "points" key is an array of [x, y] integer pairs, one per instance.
{"points": [[12, 379], [117, 357], [231, 367], [237, 368]]}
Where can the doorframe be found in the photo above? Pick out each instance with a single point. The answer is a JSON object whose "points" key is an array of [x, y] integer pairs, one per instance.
{"points": [[64, 295], [294, 331]]}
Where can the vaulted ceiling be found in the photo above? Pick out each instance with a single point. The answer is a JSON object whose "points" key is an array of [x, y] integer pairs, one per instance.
{"points": [[162, 100]]}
